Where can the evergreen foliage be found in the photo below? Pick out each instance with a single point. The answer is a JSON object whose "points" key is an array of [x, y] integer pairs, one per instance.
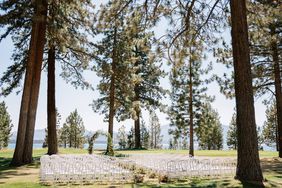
{"points": [[209, 130], [263, 32], [63, 136], [144, 135], [188, 92], [122, 137], [269, 131], [155, 138], [72, 132], [124, 55], [232, 142], [67, 25], [130, 139], [5, 126], [188, 38]]}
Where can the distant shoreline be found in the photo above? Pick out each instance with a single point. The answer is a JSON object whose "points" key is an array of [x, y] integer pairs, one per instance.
{"points": [[39, 145], [41, 142]]}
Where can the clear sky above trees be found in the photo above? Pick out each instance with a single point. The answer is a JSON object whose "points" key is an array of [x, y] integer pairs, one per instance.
{"points": [[68, 98]]}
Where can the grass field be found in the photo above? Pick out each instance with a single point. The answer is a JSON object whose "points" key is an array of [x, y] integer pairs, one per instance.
{"points": [[28, 176]]}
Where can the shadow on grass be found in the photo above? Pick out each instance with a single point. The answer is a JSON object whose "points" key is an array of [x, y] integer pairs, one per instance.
{"points": [[192, 183], [7, 171], [273, 165], [4, 163]]}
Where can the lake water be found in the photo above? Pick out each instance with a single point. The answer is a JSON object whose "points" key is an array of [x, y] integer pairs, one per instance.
{"points": [[96, 146], [39, 145]]}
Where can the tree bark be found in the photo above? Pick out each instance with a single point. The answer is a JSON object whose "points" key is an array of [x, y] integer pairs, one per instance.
{"points": [[70, 141], [51, 104], [27, 155], [278, 94], [31, 85], [191, 126], [75, 138], [137, 121], [276, 138], [112, 95], [248, 164], [137, 132]]}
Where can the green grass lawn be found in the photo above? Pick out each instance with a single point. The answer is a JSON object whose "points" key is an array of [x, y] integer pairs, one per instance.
{"points": [[203, 153], [28, 175]]}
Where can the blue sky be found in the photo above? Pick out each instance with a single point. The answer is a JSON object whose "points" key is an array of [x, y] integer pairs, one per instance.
{"points": [[69, 98]]}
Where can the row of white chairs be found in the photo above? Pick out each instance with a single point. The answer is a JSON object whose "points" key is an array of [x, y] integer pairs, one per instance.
{"points": [[82, 169], [180, 166], [201, 167], [100, 168]]}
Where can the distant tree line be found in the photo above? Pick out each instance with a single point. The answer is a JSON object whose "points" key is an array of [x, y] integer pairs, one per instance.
{"points": [[150, 137], [71, 134]]}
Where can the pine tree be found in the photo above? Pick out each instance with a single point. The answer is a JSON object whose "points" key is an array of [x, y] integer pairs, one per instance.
{"points": [[144, 135], [63, 18], [265, 43], [71, 20], [190, 35], [129, 57], [122, 138], [16, 17], [209, 130], [147, 70], [232, 140], [188, 90], [147, 90], [248, 166], [113, 66], [73, 131], [130, 139], [178, 113], [63, 136], [5, 126], [270, 128], [155, 131]]}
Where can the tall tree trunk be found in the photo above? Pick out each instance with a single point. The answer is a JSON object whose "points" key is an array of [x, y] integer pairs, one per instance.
{"points": [[276, 138], [112, 97], [27, 155], [278, 94], [155, 137], [19, 149], [51, 104], [23, 150], [137, 131], [70, 141], [137, 121], [191, 126], [75, 139], [248, 164]]}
